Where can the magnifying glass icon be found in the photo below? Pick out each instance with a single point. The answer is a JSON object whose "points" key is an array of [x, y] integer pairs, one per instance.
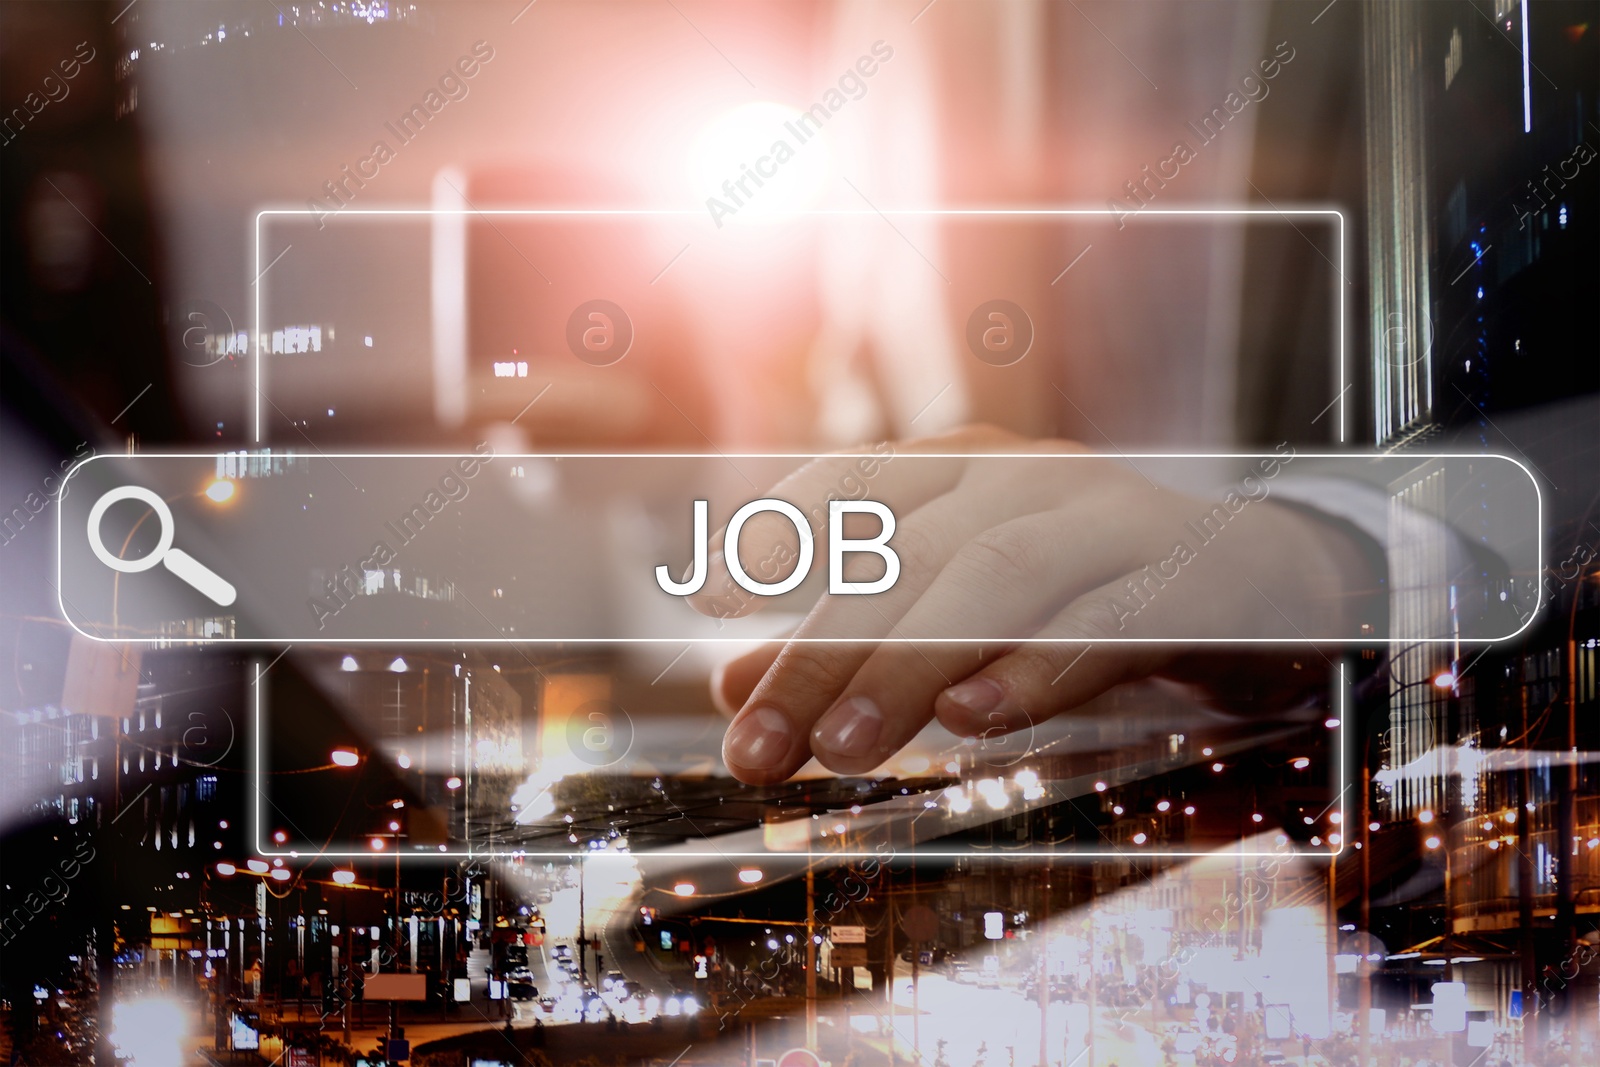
{"points": [[175, 560]]}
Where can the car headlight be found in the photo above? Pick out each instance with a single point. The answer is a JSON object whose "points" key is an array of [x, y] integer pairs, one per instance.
{"points": [[690, 1005], [673, 1006]]}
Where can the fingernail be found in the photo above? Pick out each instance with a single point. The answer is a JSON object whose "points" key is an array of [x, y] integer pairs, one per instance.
{"points": [[761, 739], [851, 729], [978, 695]]}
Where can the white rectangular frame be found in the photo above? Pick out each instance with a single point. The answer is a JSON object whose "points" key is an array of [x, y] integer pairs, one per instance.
{"points": [[798, 456], [1338, 401]]}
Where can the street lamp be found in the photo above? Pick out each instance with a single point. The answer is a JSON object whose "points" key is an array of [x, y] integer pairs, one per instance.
{"points": [[344, 877], [344, 757], [684, 889], [747, 875]]}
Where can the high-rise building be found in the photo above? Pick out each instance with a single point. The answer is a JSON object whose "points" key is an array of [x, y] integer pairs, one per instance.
{"points": [[1482, 254]]}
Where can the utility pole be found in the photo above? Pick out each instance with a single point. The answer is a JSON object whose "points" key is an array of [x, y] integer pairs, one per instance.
{"points": [[1531, 1015], [394, 1005], [888, 971], [583, 931], [1044, 968], [1363, 967], [347, 977], [1094, 987], [1566, 820], [916, 985], [811, 955], [1332, 919]]}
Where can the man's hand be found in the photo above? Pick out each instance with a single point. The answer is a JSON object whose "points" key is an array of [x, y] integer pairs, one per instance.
{"points": [[1067, 553]]}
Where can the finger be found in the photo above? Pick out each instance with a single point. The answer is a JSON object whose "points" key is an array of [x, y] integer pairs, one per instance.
{"points": [[767, 741], [1260, 582], [1068, 662], [732, 682], [996, 588]]}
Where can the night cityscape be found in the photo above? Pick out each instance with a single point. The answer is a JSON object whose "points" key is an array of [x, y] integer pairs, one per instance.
{"points": [[805, 533]]}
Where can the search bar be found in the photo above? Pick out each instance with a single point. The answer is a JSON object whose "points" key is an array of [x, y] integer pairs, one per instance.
{"points": [[476, 547]]}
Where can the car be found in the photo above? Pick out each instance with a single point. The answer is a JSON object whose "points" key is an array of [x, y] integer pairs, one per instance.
{"points": [[961, 971], [1060, 988], [547, 1005], [519, 985], [562, 951], [544, 896], [592, 1005], [612, 979], [681, 1002]]}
